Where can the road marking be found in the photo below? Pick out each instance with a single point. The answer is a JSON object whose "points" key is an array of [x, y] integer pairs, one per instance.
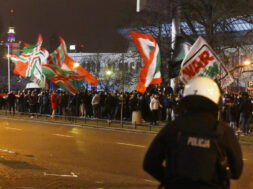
{"points": [[68, 136], [12, 128], [122, 130], [134, 145], [99, 182], [149, 180], [71, 175], [8, 151]]}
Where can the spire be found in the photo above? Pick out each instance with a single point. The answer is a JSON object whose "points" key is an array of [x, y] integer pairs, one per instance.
{"points": [[11, 32]]}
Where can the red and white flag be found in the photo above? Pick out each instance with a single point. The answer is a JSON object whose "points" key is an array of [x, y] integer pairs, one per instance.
{"points": [[149, 51]]}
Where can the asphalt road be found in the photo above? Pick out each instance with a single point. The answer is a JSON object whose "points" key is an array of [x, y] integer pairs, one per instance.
{"points": [[48, 155]]}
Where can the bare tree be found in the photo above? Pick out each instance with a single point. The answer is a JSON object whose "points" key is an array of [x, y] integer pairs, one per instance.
{"points": [[226, 25]]}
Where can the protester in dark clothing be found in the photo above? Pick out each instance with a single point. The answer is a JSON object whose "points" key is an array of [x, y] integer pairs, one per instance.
{"points": [[109, 106], [44, 109], [88, 105], [78, 103], [11, 99], [102, 105], [245, 109], [64, 103], [1, 102], [191, 145], [26, 101], [33, 103], [72, 105], [59, 98], [232, 110], [21, 102], [117, 106], [145, 107], [135, 102]]}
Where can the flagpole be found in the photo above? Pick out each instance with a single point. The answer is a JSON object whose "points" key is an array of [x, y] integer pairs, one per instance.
{"points": [[175, 30], [9, 76], [137, 5], [123, 90]]}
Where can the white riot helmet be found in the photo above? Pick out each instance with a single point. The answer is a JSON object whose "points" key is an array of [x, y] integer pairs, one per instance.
{"points": [[203, 86]]}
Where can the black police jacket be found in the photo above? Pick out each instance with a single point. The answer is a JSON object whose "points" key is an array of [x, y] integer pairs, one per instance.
{"points": [[166, 140]]}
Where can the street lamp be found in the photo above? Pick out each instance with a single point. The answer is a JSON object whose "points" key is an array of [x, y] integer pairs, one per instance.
{"points": [[108, 72], [9, 75], [245, 64]]}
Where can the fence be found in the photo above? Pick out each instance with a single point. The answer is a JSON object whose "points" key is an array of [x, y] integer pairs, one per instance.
{"points": [[84, 121]]}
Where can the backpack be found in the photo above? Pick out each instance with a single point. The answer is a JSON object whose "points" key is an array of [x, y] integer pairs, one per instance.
{"points": [[200, 158]]}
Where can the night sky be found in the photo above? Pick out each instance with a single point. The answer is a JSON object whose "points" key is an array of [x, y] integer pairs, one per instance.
{"points": [[92, 23]]}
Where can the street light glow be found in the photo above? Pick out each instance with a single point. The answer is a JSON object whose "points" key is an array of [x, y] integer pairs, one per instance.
{"points": [[76, 65], [247, 62], [72, 47], [108, 72]]}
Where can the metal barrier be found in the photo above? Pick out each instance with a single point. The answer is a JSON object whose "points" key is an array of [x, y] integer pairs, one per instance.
{"points": [[85, 121]]}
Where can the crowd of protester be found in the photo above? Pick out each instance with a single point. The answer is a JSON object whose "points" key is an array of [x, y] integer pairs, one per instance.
{"points": [[91, 104], [236, 109]]}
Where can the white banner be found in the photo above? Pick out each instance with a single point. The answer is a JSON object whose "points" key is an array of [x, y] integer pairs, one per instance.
{"points": [[202, 61]]}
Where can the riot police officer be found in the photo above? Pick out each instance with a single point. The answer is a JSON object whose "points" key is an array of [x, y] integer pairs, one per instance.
{"points": [[195, 150]]}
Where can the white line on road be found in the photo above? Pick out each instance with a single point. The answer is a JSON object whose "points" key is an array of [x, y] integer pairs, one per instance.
{"points": [[12, 128], [134, 145], [137, 132], [149, 180], [71, 175], [8, 151], [68, 136], [100, 182]]}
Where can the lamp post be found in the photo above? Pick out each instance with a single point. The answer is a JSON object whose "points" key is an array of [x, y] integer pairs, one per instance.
{"points": [[9, 75], [108, 73]]}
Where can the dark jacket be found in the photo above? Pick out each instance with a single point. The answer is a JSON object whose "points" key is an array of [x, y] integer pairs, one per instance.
{"points": [[166, 141], [245, 107], [11, 98]]}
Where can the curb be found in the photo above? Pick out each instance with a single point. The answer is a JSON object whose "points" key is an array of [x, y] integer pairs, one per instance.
{"points": [[83, 126]]}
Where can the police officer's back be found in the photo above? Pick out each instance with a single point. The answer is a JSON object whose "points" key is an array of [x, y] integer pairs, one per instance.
{"points": [[193, 145]]}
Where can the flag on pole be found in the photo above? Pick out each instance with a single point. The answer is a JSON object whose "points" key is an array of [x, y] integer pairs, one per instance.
{"points": [[182, 47], [61, 59], [67, 80], [203, 61], [28, 64], [149, 51]]}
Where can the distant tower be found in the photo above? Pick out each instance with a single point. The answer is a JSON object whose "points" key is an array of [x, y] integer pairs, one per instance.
{"points": [[11, 32]]}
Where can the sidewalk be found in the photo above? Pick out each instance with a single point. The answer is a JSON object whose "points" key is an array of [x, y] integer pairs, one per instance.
{"points": [[104, 123], [82, 121]]}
